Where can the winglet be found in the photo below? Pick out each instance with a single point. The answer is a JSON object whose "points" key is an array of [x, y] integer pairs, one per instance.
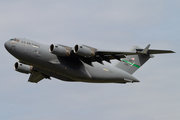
{"points": [[145, 50]]}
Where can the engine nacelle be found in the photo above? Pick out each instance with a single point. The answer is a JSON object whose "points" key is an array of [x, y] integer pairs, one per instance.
{"points": [[83, 50], [22, 68], [60, 50]]}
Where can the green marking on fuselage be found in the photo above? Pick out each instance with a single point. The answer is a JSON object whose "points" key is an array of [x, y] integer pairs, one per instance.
{"points": [[131, 63]]}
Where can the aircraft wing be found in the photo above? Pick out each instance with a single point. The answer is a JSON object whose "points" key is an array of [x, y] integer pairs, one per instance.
{"points": [[89, 54], [105, 55]]}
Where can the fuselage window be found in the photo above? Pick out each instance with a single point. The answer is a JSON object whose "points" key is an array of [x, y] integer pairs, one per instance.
{"points": [[17, 40], [12, 41]]}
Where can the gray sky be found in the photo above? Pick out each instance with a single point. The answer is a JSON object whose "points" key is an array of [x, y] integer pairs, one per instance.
{"points": [[104, 24]]}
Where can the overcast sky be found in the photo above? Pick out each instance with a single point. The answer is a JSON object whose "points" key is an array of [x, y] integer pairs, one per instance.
{"points": [[103, 24]]}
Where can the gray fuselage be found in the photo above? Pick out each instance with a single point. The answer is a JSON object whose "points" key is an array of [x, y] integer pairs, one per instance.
{"points": [[69, 68]]}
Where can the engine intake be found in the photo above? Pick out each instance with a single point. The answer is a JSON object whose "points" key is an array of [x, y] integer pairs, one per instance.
{"points": [[85, 51], [60, 50], [22, 68]]}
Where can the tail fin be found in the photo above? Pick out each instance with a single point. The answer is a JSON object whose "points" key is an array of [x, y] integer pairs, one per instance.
{"points": [[133, 62]]}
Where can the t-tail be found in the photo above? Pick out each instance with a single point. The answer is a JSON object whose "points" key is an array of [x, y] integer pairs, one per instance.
{"points": [[133, 62]]}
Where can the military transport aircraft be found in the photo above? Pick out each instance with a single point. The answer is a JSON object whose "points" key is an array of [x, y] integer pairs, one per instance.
{"points": [[79, 64]]}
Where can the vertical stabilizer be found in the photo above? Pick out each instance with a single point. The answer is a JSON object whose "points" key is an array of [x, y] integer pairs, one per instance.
{"points": [[133, 62]]}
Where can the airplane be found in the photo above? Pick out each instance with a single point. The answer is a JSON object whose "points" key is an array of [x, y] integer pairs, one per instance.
{"points": [[80, 63]]}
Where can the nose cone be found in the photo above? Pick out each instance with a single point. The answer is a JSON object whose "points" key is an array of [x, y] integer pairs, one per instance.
{"points": [[6, 45]]}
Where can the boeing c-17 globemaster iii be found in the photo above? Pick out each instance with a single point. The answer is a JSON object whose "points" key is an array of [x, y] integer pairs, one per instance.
{"points": [[79, 64]]}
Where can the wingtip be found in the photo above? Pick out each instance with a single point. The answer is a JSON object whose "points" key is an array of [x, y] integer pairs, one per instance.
{"points": [[171, 51]]}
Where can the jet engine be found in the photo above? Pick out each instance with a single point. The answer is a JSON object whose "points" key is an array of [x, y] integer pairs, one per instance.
{"points": [[22, 68], [60, 50], [83, 50]]}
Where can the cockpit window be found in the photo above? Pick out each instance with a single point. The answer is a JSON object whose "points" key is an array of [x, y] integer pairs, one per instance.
{"points": [[14, 40]]}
